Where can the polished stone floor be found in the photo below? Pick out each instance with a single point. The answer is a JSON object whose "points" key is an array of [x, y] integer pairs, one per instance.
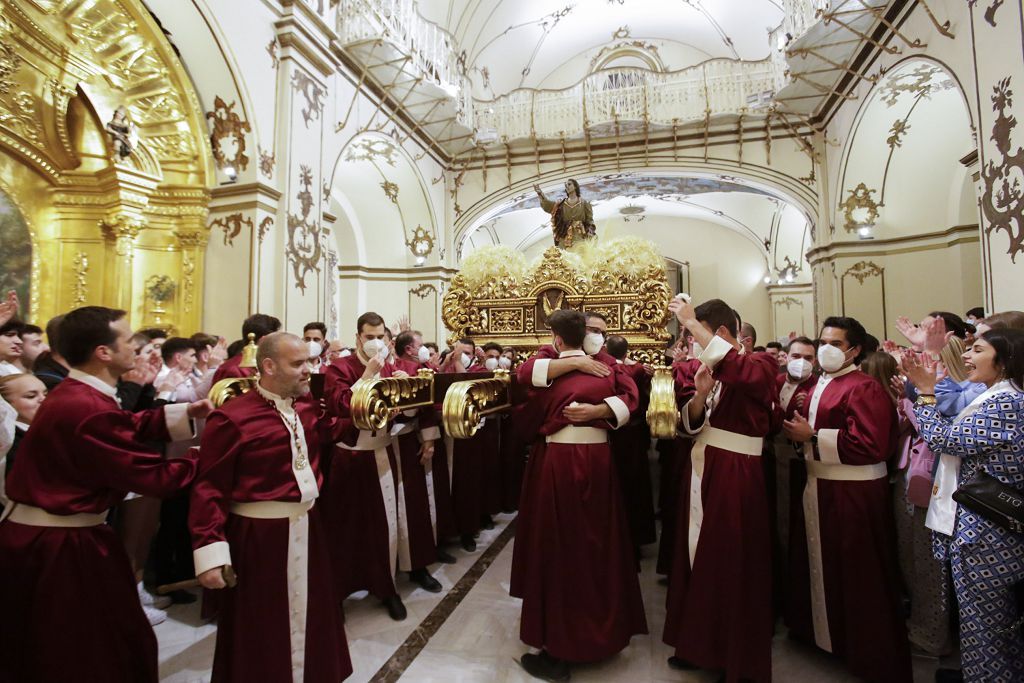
{"points": [[477, 639]]}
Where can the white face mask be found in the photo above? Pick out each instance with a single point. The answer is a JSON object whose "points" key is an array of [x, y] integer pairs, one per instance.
{"points": [[466, 360], [314, 349], [375, 347], [504, 363], [423, 354], [799, 368], [831, 358], [344, 353], [491, 364], [592, 343]]}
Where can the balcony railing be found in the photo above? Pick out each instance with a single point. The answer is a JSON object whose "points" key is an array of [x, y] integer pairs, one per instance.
{"points": [[718, 86], [430, 48]]}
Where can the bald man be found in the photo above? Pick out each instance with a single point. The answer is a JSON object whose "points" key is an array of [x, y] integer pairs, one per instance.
{"points": [[253, 510]]}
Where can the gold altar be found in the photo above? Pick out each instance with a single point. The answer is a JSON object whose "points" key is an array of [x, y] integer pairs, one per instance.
{"points": [[497, 297]]}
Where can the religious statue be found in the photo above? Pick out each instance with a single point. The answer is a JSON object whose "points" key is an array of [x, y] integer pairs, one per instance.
{"points": [[121, 132], [572, 218]]}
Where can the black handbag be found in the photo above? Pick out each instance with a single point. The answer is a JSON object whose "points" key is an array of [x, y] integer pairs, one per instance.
{"points": [[993, 500]]}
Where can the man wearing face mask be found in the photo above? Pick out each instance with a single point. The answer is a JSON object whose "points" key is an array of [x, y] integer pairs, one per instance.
{"points": [[315, 337], [844, 578], [572, 563], [720, 591], [425, 503], [364, 506]]}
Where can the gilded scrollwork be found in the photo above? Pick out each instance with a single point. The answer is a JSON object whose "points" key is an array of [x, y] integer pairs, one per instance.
{"points": [[1002, 201], [424, 290], [80, 287], [305, 85], [232, 226], [459, 314], [267, 161], [862, 270], [859, 208], [466, 402], [374, 399], [265, 225], [554, 267], [390, 190], [228, 127], [663, 410], [188, 285], [304, 249]]}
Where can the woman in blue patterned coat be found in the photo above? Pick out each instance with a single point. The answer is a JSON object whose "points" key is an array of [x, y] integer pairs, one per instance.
{"points": [[987, 559]]}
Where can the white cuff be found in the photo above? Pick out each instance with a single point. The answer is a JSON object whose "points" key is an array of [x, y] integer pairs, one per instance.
{"points": [[828, 446], [540, 373], [715, 352], [211, 556], [618, 407], [179, 425], [685, 421], [430, 434], [165, 396]]}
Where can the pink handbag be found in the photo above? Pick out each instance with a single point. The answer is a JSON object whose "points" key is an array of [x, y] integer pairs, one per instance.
{"points": [[918, 460]]}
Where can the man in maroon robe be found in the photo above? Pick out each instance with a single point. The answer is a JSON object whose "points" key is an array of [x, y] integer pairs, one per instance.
{"points": [[720, 591], [252, 508], [630, 447], [258, 324], [71, 610], [465, 457], [572, 564], [844, 578], [416, 474], [364, 508]]}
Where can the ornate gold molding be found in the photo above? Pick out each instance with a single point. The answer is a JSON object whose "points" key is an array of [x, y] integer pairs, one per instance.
{"points": [[80, 287], [663, 411], [424, 290], [862, 270], [232, 226], [859, 199], [304, 249], [228, 125], [421, 243], [374, 399]]}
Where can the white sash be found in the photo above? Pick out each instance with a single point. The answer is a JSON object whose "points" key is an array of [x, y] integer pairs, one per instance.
{"points": [[942, 508]]}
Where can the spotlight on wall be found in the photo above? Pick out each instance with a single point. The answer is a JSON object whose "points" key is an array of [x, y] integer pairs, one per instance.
{"points": [[231, 173], [767, 279], [789, 277], [420, 260], [864, 231]]}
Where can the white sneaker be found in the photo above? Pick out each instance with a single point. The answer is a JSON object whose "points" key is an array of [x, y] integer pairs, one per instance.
{"points": [[155, 616], [149, 600]]}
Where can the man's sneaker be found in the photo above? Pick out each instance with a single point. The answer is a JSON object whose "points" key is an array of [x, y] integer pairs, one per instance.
{"points": [[149, 600], [155, 616]]}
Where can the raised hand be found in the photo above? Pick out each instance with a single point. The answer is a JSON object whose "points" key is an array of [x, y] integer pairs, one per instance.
{"points": [[922, 372], [704, 381], [172, 381], [914, 334], [935, 335], [402, 324], [8, 307], [682, 310]]}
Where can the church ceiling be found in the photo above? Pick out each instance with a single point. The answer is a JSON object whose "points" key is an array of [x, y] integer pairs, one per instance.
{"points": [[512, 44]]}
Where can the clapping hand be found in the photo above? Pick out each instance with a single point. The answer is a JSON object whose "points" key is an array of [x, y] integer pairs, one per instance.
{"points": [[922, 372], [935, 335], [914, 334], [172, 381], [8, 307]]}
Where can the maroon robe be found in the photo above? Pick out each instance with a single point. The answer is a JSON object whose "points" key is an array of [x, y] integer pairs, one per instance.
{"points": [[70, 607], [720, 589], [230, 368], [844, 578], [416, 481], [285, 591], [362, 507], [468, 462], [791, 474], [573, 561], [630, 446]]}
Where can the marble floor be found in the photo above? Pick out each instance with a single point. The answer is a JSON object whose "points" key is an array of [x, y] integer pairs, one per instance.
{"points": [[478, 636]]}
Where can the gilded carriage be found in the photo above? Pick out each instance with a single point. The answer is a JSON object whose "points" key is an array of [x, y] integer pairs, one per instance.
{"points": [[497, 297]]}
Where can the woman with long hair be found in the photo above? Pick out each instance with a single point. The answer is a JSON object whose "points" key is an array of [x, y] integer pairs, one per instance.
{"points": [[987, 559]]}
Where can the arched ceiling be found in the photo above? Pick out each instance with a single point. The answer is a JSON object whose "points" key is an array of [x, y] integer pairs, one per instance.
{"points": [[624, 201], [510, 44]]}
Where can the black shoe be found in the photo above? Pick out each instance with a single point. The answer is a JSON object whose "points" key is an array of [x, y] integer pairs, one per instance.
{"points": [[486, 522], [545, 667], [949, 676], [468, 543], [445, 557], [425, 580], [181, 597], [680, 664], [395, 608]]}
